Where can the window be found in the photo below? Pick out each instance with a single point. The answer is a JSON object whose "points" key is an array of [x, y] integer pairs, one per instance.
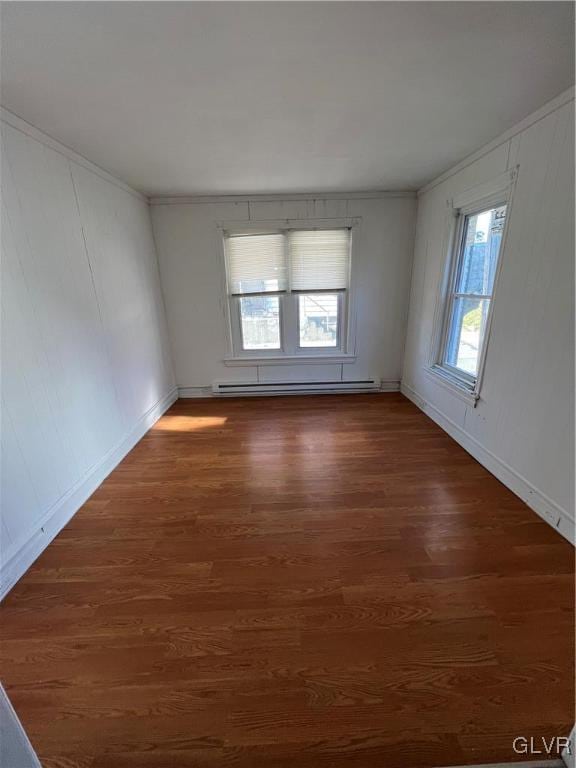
{"points": [[478, 239], [288, 291]]}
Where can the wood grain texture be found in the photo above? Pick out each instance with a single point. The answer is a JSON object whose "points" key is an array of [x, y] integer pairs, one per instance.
{"points": [[304, 582]]}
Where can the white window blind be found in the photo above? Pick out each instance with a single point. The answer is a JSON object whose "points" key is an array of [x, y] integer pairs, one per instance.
{"points": [[319, 259], [256, 264]]}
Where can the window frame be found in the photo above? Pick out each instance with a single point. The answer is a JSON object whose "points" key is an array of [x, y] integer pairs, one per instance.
{"points": [[464, 214], [290, 349], [492, 194]]}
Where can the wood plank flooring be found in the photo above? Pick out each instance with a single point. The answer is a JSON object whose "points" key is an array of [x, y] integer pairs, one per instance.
{"points": [[300, 582]]}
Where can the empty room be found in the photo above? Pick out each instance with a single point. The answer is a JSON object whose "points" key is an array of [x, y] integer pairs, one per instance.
{"points": [[287, 376]]}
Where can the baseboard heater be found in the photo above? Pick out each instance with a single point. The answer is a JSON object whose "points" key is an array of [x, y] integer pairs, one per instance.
{"points": [[295, 387]]}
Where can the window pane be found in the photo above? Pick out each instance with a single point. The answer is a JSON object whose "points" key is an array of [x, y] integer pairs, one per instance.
{"points": [[260, 317], [481, 244], [318, 315], [467, 326]]}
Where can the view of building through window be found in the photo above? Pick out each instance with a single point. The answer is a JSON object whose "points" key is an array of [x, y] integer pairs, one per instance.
{"points": [[478, 259], [318, 324], [260, 322]]}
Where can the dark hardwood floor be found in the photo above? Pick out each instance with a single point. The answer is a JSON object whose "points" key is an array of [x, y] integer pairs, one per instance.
{"points": [[299, 582]]}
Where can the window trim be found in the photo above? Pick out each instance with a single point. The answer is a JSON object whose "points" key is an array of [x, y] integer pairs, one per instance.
{"points": [[462, 377], [498, 191], [290, 350]]}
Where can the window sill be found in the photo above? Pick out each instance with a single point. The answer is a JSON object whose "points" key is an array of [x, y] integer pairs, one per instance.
{"points": [[452, 385], [290, 360]]}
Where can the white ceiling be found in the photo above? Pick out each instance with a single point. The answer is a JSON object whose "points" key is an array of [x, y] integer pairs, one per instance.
{"points": [[194, 97]]}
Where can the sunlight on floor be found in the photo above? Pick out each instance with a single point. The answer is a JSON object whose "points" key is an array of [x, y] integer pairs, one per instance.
{"points": [[188, 423]]}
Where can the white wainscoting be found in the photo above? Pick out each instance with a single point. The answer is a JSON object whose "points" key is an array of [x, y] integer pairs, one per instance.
{"points": [[522, 427], [189, 239], [86, 366]]}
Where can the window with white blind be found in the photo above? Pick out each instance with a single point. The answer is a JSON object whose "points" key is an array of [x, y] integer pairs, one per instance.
{"points": [[288, 291]]}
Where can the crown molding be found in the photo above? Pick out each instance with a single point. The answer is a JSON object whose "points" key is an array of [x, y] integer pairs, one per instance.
{"points": [[35, 133], [551, 106], [22, 125], [278, 197]]}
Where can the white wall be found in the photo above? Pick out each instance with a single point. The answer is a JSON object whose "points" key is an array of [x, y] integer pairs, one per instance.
{"points": [[189, 251], [522, 428], [86, 364]]}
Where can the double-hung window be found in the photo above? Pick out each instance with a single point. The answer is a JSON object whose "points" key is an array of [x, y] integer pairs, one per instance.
{"points": [[477, 243], [288, 291]]}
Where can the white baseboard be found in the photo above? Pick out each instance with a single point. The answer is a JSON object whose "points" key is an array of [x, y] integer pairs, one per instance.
{"points": [[187, 392], [21, 556], [547, 509], [202, 392], [389, 386]]}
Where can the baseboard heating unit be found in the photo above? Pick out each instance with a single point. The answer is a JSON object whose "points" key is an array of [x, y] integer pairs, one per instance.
{"points": [[295, 387]]}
